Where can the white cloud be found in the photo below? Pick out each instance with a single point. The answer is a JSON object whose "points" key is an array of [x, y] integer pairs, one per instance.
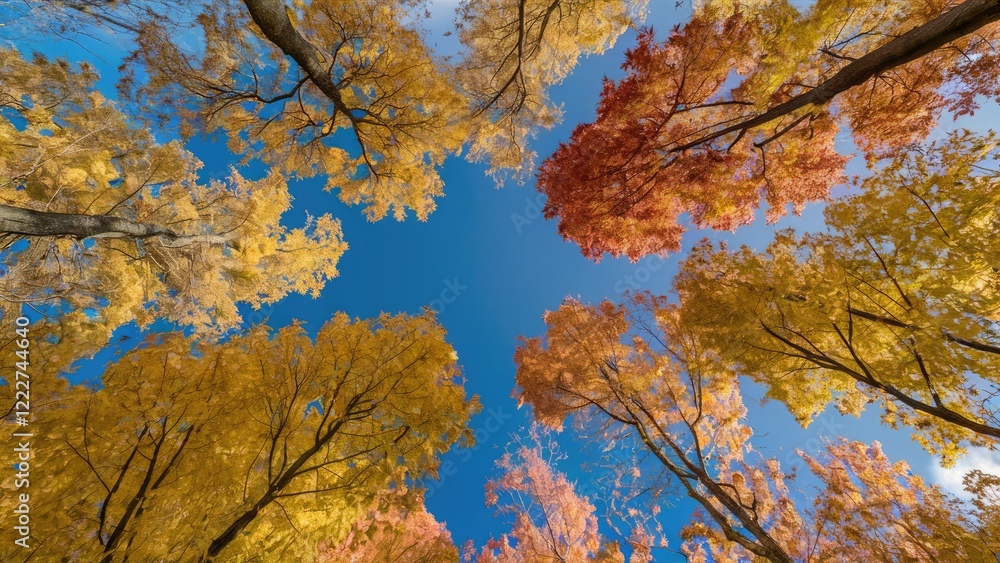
{"points": [[951, 479]]}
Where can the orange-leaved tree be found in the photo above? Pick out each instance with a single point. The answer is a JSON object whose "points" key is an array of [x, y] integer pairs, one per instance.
{"points": [[745, 102], [396, 529]]}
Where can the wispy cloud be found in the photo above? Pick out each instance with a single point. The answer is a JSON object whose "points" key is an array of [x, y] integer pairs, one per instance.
{"points": [[951, 479]]}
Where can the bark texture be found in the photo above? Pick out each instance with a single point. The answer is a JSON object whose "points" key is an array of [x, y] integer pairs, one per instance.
{"points": [[956, 23], [29, 222]]}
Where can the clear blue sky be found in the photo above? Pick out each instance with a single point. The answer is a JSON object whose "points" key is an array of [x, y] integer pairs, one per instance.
{"points": [[492, 266]]}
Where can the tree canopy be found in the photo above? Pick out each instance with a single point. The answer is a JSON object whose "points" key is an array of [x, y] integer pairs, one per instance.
{"points": [[638, 379], [98, 220], [514, 52], [263, 444], [221, 440], [351, 91], [745, 102], [281, 83], [895, 304]]}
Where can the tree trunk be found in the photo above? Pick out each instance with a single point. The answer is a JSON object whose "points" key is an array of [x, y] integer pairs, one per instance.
{"points": [[28, 222], [234, 529], [283, 479], [762, 543], [271, 17], [958, 22], [31, 223]]}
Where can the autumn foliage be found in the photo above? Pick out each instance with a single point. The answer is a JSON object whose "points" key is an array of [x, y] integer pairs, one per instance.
{"points": [[345, 90], [745, 102], [264, 445], [514, 52], [552, 520], [124, 228], [228, 442], [637, 377], [895, 305], [396, 529]]}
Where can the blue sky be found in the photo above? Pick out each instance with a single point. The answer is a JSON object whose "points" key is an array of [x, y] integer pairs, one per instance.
{"points": [[491, 266]]}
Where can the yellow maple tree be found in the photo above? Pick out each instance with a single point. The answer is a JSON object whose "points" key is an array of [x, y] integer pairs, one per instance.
{"points": [[347, 90], [99, 221], [515, 51], [895, 305], [261, 446]]}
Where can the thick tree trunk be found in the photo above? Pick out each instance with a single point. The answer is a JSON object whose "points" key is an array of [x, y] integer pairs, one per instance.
{"points": [[271, 17], [31, 223], [958, 22], [28, 222]]}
